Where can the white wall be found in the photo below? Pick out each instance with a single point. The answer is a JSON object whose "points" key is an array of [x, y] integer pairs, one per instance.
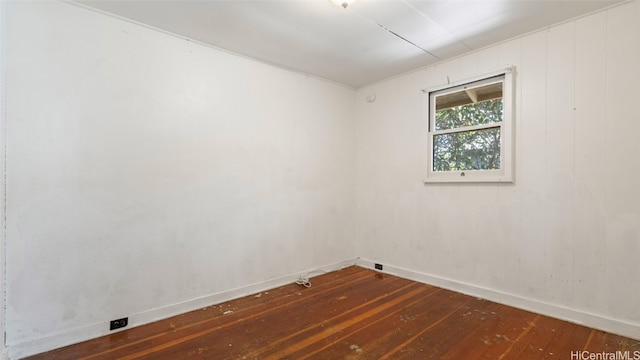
{"points": [[147, 173], [565, 239], [3, 354]]}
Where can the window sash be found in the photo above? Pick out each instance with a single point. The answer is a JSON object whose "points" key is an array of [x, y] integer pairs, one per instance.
{"points": [[471, 85], [505, 173], [468, 154]]}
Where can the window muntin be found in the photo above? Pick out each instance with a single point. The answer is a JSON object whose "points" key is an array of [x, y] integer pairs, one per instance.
{"points": [[470, 130]]}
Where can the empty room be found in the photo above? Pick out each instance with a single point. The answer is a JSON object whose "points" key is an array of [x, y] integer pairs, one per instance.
{"points": [[320, 179]]}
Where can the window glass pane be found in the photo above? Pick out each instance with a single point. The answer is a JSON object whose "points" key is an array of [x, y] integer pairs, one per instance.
{"points": [[467, 150], [485, 112]]}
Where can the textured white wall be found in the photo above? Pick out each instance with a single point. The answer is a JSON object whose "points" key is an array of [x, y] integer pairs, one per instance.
{"points": [[145, 171], [567, 234]]}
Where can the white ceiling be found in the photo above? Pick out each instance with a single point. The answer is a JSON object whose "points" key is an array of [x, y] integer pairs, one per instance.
{"points": [[355, 46]]}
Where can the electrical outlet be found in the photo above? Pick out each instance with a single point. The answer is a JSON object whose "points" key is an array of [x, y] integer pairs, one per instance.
{"points": [[117, 324], [378, 266]]}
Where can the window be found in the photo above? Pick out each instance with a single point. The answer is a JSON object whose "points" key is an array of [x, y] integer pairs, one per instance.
{"points": [[470, 130]]}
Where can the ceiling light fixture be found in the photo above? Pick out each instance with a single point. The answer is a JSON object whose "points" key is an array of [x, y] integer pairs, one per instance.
{"points": [[343, 3]]}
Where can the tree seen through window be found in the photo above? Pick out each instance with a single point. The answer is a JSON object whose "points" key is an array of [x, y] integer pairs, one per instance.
{"points": [[473, 149]]}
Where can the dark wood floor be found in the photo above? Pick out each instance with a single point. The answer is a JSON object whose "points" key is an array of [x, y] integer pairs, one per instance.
{"points": [[354, 313]]}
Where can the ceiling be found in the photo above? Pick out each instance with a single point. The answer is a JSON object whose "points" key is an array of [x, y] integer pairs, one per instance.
{"points": [[369, 41]]}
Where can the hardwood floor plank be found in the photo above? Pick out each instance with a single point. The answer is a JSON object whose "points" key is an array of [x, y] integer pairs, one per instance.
{"points": [[347, 320], [353, 313], [558, 346], [488, 331], [595, 341], [450, 335], [578, 340], [370, 333], [538, 338], [508, 333], [403, 349]]}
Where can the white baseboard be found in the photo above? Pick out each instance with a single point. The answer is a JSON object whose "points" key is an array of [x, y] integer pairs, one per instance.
{"points": [[74, 336], [615, 326]]}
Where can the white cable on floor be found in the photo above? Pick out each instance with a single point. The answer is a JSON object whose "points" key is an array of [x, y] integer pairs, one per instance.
{"points": [[304, 279]]}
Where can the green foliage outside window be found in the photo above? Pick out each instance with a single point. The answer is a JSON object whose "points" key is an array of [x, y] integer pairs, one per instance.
{"points": [[474, 149]]}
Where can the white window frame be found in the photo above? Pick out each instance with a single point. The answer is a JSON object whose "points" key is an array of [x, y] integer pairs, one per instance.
{"points": [[505, 173]]}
